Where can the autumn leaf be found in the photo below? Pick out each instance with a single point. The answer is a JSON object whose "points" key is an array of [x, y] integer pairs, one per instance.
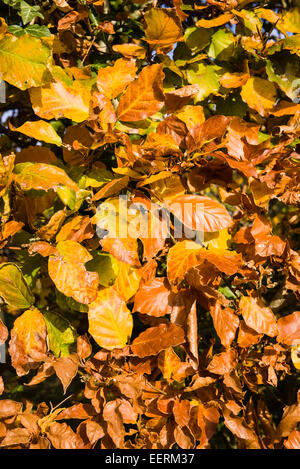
{"points": [[24, 61], [13, 287], [187, 254], [110, 321], [40, 130], [212, 23], [259, 94], [289, 329], [41, 176], [58, 100], [225, 323], [154, 298], [113, 80], [144, 96], [200, 213], [156, 339], [163, 28], [69, 274], [257, 316], [30, 330]]}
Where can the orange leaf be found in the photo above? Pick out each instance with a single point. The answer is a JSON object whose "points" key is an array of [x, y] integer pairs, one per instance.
{"points": [[289, 329], [225, 323], [30, 329], [130, 50], [200, 213], [257, 316], [113, 80], [212, 23], [153, 298], [144, 96], [234, 80], [156, 339], [163, 28]]}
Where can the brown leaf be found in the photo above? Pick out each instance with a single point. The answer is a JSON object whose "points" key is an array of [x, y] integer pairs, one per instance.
{"points": [[63, 437], [293, 441], [225, 323], [156, 339], [257, 316], [289, 329], [16, 436], [247, 336], [3, 332], [9, 408], [66, 370], [223, 363]]}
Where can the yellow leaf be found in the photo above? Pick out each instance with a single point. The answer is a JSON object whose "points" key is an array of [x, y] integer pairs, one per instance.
{"points": [[128, 281], [30, 329], [69, 274], [24, 61], [110, 321], [40, 130], [163, 28], [259, 94], [58, 100], [42, 176], [217, 239], [295, 355]]}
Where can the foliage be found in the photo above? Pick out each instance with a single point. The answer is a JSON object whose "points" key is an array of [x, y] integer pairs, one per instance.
{"points": [[157, 339]]}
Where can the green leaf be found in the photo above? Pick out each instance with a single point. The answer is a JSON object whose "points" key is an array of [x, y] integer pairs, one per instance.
{"points": [[13, 3], [223, 45], [29, 13], [67, 196], [227, 292], [24, 61], [284, 69], [61, 334], [37, 31], [13, 287], [96, 178], [106, 266], [197, 39], [206, 77]]}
